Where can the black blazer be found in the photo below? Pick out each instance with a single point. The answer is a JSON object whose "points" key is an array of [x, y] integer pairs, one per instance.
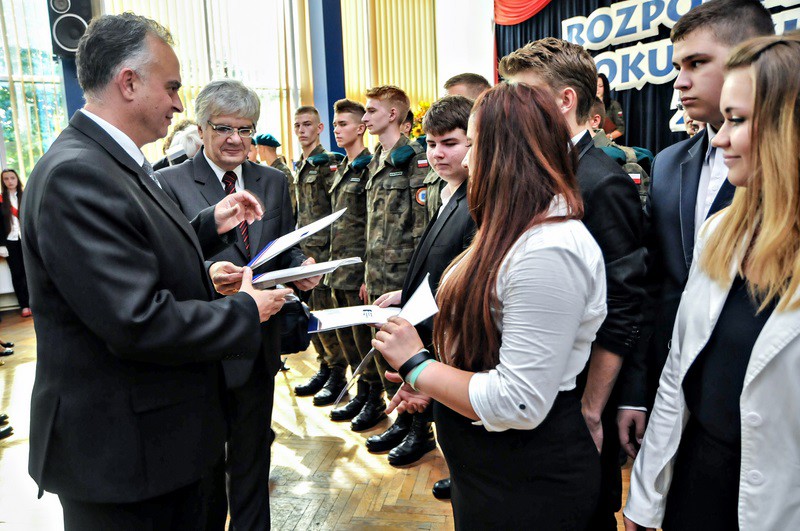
{"points": [[613, 216], [194, 186], [670, 213], [445, 237], [125, 403]]}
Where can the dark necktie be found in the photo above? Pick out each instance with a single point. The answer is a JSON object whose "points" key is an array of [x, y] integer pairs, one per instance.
{"points": [[229, 180]]}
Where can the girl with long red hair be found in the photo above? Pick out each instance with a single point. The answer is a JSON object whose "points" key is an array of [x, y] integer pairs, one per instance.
{"points": [[518, 312]]}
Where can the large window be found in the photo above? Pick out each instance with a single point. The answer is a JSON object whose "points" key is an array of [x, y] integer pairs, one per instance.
{"points": [[252, 41], [32, 107]]}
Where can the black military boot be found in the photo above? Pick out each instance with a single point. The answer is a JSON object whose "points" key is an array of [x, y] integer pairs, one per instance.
{"points": [[352, 408], [417, 443], [391, 437], [330, 391], [316, 382], [373, 412]]}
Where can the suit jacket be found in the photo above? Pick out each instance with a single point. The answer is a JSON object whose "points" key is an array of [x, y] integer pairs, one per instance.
{"points": [[445, 237], [613, 215], [670, 215], [125, 403], [770, 422], [194, 186]]}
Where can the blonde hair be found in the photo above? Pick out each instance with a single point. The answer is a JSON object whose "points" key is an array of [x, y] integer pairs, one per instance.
{"points": [[766, 214], [395, 96]]}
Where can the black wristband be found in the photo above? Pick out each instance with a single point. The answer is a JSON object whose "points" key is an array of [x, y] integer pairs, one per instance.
{"points": [[413, 361]]}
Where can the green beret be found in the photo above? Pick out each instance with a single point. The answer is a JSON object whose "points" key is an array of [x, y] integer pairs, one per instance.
{"points": [[265, 139]]}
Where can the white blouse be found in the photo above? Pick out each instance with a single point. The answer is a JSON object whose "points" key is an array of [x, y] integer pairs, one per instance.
{"points": [[551, 289]]}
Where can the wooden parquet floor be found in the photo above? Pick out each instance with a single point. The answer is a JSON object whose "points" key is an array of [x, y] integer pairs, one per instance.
{"points": [[322, 476]]}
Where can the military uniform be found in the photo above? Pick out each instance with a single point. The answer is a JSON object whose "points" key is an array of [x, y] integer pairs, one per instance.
{"points": [[349, 238], [314, 179], [280, 164], [435, 185], [397, 215]]}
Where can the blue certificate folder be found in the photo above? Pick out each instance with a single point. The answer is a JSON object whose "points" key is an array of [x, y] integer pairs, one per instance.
{"points": [[278, 245]]}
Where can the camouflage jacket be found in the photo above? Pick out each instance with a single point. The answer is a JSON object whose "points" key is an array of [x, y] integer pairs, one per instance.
{"points": [[312, 182], [349, 233], [397, 214], [280, 164], [435, 185]]}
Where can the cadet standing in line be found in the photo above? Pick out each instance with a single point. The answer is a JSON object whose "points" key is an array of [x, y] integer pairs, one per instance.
{"points": [[396, 219], [349, 238], [314, 178], [267, 152]]}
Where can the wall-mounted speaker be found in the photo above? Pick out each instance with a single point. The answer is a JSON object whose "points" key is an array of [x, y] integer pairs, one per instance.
{"points": [[68, 22]]}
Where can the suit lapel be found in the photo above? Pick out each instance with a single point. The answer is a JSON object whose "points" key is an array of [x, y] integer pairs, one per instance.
{"points": [[435, 228], [780, 329], [88, 127], [691, 167], [253, 182], [211, 189]]}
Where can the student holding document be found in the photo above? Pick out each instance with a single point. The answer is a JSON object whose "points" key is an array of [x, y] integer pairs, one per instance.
{"points": [[227, 112], [518, 312]]}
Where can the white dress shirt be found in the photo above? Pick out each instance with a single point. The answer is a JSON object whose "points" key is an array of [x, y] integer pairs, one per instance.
{"points": [[712, 176], [220, 173], [551, 292], [119, 137]]}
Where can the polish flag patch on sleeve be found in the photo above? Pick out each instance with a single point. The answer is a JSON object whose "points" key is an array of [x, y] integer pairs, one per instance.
{"points": [[333, 167], [422, 163]]}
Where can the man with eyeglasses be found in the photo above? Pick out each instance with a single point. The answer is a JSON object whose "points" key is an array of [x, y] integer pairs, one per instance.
{"points": [[227, 112]]}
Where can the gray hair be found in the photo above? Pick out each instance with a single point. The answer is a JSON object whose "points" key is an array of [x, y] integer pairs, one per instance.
{"points": [[227, 96], [113, 42]]}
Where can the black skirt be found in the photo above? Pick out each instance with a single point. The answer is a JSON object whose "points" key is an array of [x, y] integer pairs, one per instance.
{"points": [[546, 478]]}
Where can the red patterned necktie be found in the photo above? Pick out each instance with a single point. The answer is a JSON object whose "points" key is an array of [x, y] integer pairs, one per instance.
{"points": [[229, 180]]}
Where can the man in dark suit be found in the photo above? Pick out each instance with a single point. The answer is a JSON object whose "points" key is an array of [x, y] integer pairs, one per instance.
{"points": [[613, 215], [126, 416], [688, 184], [227, 112], [448, 233]]}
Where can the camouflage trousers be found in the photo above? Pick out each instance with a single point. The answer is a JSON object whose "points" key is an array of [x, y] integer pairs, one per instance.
{"points": [[329, 351], [356, 341]]}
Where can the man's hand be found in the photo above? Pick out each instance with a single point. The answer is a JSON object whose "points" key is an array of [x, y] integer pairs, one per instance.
{"points": [[311, 282], [3, 251], [389, 299], [227, 277], [362, 293], [595, 426], [406, 399], [269, 302], [631, 421], [235, 208]]}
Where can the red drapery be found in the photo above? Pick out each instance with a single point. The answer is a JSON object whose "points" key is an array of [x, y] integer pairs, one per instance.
{"points": [[512, 12]]}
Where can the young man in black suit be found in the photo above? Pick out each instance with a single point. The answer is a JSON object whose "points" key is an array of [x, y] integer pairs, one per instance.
{"points": [[227, 112], [448, 233], [126, 417], [613, 215], [687, 185]]}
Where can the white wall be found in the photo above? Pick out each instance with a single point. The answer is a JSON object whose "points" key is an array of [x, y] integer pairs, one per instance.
{"points": [[464, 38]]}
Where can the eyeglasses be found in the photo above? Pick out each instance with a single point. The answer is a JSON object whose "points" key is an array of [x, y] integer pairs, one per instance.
{"points": [[226, 131]]}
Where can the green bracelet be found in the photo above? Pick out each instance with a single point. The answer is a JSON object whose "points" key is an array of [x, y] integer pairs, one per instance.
{"points": [[412, 378]]}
